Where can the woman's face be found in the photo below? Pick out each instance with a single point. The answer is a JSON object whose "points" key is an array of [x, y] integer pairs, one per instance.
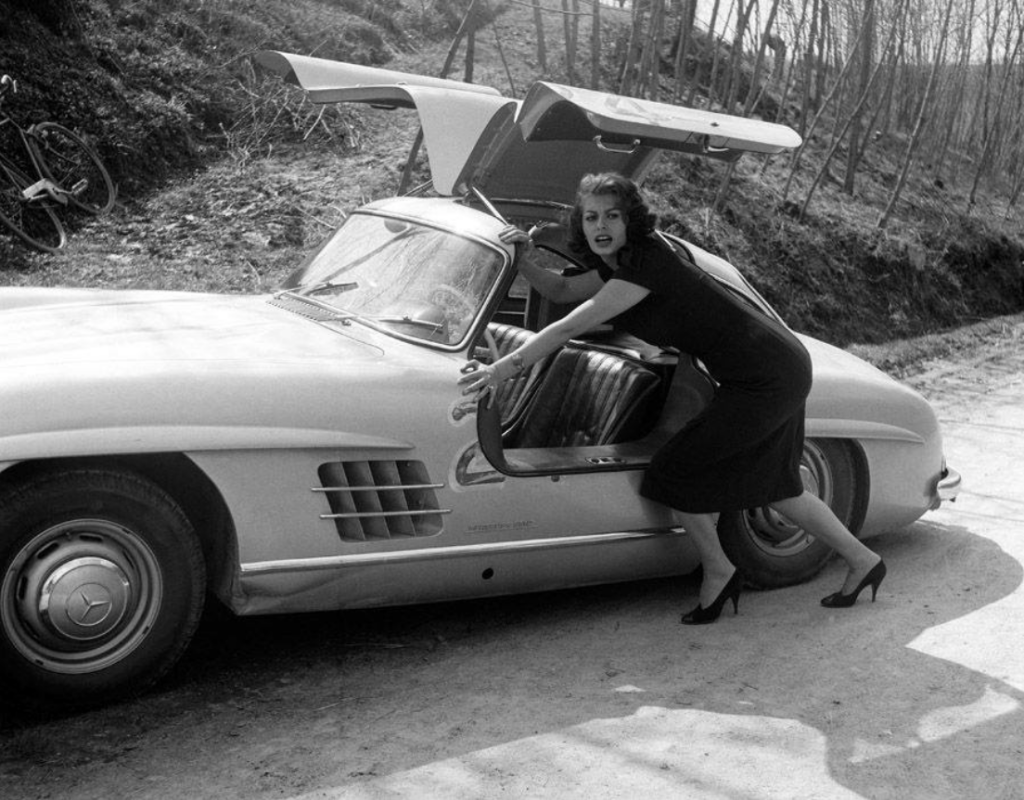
{"points": [[604, 225]]}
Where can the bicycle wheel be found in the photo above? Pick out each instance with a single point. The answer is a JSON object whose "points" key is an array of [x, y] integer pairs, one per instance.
{"points": [[65, 158], [32, 222]]}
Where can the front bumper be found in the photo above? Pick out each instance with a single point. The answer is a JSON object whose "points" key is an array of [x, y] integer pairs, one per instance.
{"points": [[947, 487]]}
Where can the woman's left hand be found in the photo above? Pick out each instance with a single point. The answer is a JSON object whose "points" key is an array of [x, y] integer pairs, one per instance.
{"points": [[479, 379], [511, 234]]}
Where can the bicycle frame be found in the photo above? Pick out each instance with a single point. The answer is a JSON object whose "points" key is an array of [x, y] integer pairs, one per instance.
{"points": [[40, 190]]}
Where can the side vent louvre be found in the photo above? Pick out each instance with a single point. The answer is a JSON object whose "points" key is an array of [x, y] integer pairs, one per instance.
{"points": [[381, 499]]}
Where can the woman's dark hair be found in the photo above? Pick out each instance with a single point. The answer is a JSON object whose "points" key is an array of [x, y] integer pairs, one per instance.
{"points": [[639, 219]]}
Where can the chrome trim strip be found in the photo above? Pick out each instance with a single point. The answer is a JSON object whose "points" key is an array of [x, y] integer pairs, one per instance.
{"points": [[818, 428], [382, 514], [435, 553], [382, 487]]}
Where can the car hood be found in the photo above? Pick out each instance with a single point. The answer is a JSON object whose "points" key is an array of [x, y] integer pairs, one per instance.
{"points": [[101, 371], [69, 329]]}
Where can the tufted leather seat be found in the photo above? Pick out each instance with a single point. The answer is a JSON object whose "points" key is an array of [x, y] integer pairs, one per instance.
{"points": [[586, 397], [514, 394]]}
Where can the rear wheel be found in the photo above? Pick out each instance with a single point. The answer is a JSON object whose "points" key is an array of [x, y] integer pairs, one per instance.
{"points": [[770, 550], [33, 222], [101, 588], [65, 158]]}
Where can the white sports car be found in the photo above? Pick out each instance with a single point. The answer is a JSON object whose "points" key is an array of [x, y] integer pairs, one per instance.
{"points": [[310, 450]]}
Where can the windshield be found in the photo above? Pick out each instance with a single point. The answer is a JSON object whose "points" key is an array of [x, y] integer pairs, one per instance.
{"points": [[401, 277]]}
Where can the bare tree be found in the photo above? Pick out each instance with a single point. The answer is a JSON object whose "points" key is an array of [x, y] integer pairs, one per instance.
{"points": [[915, 135], [992, 132], [799, 152], [851, 119]]}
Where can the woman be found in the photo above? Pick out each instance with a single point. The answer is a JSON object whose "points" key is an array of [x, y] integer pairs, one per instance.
{"points": [[743, 450]]}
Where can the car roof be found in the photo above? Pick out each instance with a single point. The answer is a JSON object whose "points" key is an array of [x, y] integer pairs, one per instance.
{"points": [[536, 149]]}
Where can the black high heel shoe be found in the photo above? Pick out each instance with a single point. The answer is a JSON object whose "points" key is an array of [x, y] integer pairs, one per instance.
{"points": [[731, 591], [873, 578]]}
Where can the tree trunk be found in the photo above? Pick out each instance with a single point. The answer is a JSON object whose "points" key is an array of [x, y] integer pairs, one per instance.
{"points": [[805, 99], [570, 43], [715, 51], [735, 75], [542, 50], [632, 48], [650, 57], [867, 50], [686, 20], [755, 82]]}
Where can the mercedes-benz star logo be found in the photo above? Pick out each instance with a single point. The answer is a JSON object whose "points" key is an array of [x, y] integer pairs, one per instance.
{"points": [[89, 605]]}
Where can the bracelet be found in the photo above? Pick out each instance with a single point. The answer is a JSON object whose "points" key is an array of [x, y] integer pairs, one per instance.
{"points": [[517, 362]]}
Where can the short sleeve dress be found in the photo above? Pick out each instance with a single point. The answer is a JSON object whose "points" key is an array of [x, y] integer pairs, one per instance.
{"points": [[744, 449]]}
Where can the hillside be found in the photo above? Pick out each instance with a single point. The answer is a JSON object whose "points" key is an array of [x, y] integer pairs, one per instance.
{"points": [[226, 176]]}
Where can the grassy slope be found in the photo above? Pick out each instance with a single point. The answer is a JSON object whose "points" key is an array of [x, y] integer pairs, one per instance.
{"points": [[226, 177]]}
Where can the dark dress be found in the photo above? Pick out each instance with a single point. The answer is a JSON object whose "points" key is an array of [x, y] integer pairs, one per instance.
{"points": [[744, 449]]}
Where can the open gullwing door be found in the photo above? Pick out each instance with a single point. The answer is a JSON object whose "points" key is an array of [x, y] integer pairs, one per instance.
{"points": [[538, 148]]}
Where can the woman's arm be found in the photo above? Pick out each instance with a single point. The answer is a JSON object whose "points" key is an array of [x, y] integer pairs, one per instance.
{"points": [[552, 286], [560, 288], [615, 297]]}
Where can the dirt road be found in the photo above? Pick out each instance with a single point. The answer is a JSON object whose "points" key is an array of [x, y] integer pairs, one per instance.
{"points": [[601, 693]]}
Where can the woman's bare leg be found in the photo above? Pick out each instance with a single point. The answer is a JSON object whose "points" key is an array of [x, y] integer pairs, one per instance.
{"points": [[703, 529], [814, 516]]}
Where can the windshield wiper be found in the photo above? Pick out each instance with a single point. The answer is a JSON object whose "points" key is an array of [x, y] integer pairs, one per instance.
{"points": [[338, 286], [433, 327]]}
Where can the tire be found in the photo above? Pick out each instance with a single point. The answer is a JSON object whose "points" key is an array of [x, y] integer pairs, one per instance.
{"points": [[772, 552], [65, 158], [102, 583], [35, 224]]}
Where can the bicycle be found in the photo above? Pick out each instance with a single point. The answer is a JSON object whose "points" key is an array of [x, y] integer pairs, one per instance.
{"points": [[68, 172]]}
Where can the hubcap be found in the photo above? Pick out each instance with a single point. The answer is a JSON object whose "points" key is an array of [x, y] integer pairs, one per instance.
{"points": [[80, 596], [82, 599], [770, 530]]}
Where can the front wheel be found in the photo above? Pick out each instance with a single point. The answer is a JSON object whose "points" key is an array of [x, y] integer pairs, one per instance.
{"points": [[101, 588], [66, 159], [32, 221], [770, 550]]}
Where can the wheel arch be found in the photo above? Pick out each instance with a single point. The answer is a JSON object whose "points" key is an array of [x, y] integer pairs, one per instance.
{"points": [[188, 486], [772, 551], [862, 474]]}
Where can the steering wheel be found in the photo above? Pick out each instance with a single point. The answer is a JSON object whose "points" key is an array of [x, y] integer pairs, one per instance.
{"points": [[447, 296]]}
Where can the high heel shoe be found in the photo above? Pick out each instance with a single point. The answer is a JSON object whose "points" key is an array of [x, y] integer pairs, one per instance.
{"points": [[703, 616], [873, 578]]}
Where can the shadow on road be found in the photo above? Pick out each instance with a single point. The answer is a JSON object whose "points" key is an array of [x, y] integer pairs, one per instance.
{"points": [[807, 699]]}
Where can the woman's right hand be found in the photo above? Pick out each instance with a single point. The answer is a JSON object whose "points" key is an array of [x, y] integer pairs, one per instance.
{"points": [[479, 381]]}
